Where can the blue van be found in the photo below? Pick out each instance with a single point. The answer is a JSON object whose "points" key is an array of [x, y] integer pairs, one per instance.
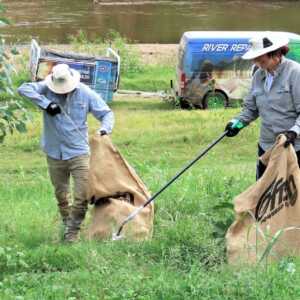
{"points": [[210, 71]]}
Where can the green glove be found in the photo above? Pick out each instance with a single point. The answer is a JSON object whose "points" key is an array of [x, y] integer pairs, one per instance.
{"points": [[233, 127]]}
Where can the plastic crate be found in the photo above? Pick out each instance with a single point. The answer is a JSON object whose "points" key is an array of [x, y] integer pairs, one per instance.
{"points": [[100, 73]]}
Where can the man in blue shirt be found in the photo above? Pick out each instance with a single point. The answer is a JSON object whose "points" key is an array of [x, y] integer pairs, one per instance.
{"points": [[66, 102]]}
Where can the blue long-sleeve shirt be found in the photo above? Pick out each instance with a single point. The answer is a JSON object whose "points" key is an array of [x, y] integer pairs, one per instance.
{"points": [[60, 139]]}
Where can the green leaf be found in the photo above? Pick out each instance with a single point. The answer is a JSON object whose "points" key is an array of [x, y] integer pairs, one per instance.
{"points": [[2, 23], [223, 205], [14, 51], [12, 113], [2, 136], [9, 91], [21, 127], [2, 8], [11, 128], [270, 245]]}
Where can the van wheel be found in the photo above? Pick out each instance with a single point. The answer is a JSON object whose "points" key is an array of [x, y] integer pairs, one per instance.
{"points": [[184, 104], [214, 100], [198, 106]]}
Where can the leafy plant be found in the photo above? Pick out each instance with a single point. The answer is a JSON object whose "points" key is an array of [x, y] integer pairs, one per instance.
{"points": [[272, 241], [130, 58], [13, 115], [131, 61], [12, 259], [225, 218]]}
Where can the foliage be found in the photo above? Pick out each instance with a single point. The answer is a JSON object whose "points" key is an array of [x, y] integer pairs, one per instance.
{"points": [[13, 115], [12, 259], [130, 59]]}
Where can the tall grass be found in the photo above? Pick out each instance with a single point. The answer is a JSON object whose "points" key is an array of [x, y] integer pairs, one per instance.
{"points": [[184, 260]]}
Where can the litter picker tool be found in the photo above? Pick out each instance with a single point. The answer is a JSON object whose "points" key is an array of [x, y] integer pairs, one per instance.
{"points": [[117, 235]]}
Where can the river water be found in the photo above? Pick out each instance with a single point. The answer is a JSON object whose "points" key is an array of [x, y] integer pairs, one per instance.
{"points": [[53, 21]]}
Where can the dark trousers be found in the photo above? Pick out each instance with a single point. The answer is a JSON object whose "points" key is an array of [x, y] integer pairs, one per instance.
{"points": [[260, 167]]}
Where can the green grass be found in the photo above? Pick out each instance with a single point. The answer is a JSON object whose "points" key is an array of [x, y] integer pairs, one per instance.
{"points": [[182, 261], [152, 78]]}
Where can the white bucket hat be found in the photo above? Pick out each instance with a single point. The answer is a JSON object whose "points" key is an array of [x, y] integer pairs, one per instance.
{"points": [[264, 44], [62, 79]]}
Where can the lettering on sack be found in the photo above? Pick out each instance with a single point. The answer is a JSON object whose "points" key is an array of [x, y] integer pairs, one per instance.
{"points": [[279, 194]]}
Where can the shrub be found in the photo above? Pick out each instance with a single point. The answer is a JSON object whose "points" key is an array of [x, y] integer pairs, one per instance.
{"points": [[13, 115], [130, 58]]}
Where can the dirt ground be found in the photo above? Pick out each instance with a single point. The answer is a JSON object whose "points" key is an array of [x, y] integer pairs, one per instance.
{"points": [[156, 53]]}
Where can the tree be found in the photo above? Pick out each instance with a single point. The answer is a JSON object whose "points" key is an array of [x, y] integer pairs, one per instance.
{"points": [[13, 115]]}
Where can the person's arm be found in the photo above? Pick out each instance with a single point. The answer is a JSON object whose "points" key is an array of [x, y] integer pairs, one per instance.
{"points": [[34, 91], [292, 133], [295, 90], [101, 112], [248, 114], [249, 111]]}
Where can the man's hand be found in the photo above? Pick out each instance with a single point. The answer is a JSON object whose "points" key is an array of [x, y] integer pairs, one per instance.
{"points": [[53, 109], [290, 138], [102, 132], [233, 127]]}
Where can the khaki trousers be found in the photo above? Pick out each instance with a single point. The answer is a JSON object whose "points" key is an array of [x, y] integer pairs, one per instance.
{"points": [[60, 172]]}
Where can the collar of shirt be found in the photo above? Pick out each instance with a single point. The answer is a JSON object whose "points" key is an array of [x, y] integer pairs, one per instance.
{"points": [[268, 81], [269, 78], [278, 69]]}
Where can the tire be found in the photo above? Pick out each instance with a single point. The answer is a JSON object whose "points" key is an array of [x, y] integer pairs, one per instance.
{"points": [[216, 99], [184, 104], [198, 106]]}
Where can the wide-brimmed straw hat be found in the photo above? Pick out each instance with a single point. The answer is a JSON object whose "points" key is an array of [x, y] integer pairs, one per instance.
{"points": [[62, 79], [266, 43]]}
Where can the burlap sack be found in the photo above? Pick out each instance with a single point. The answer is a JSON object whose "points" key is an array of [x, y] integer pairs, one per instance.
{"points": [[117, 191], [268, 212]]}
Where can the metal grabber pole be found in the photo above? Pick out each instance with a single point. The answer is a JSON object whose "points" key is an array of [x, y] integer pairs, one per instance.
{"points": [[117, 235]]}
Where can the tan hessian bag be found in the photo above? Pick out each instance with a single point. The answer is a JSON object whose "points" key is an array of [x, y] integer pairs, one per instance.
{"points": [[117, 191], [268, 212]]}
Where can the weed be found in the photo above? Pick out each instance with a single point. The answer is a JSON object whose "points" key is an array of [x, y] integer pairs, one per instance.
{"points": [[12, 260]]}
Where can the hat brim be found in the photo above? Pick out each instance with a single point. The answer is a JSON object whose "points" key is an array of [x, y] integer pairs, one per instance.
{"points": [[64, 87], [251, 54]]}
